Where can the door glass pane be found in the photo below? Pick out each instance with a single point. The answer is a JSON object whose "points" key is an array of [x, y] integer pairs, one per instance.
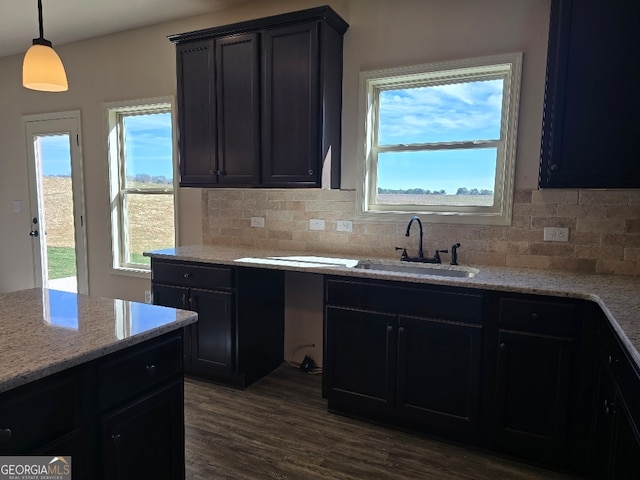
{"points": [[57, 230]]}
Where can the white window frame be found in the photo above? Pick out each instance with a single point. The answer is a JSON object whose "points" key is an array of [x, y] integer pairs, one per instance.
{"points": [[114, 111], [507, 66]]}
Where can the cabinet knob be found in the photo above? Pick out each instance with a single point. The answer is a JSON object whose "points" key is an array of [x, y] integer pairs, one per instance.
{"points": [[534, 316], [554, 167], [401, 330], [5, 435], [503, 346], [116, 439], [389, 328], [188, 275], [212, 172], [151, 370], [310, 172]]}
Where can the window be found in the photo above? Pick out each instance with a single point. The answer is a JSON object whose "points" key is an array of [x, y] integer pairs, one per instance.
{"points": [[141, 178], [440, 140]]}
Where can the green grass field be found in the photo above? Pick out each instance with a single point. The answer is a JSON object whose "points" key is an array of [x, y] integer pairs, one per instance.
{"points": [[62, 261]]}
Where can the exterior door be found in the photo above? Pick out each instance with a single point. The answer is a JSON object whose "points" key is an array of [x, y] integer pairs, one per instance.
{"points": [[56, 191]]}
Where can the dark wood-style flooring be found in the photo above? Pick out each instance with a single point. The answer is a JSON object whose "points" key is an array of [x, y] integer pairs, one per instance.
{"points": [[279, 428]]}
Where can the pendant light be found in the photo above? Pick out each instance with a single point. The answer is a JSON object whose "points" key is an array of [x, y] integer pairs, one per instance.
{"points": [[42, 68]]}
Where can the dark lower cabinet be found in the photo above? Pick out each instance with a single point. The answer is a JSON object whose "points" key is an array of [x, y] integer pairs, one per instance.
{"points": [[533, 395], [512, 373], [395, 366], [360, 358], [439, 369], [618, 434], [210, 343], [239, 335], [140, 438]]}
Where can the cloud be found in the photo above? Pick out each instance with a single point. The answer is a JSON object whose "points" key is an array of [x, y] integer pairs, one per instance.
{"points": [[452, 112]]}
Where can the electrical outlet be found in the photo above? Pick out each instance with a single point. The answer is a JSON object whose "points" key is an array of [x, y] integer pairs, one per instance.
{"points": [[257, 222], [316, 224], [344, 226], [556, 234], [148, 298]]}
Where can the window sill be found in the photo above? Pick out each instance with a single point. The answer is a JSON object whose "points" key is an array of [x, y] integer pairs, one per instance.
{"points": [[132, 272]]}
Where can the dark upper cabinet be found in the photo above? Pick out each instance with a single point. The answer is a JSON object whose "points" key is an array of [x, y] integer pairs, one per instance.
{"points": [[238, 109], [260, 102], [291, 134], [196, 107], [591, 131]]}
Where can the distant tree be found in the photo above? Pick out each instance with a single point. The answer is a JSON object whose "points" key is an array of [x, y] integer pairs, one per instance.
{"points": [[462, 191]]}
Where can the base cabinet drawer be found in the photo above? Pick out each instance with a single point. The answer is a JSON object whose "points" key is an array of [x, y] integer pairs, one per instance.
{"points": [[39, 413]]}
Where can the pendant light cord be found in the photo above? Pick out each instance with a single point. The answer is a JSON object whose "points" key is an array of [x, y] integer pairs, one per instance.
{"points": [[40, 19]]}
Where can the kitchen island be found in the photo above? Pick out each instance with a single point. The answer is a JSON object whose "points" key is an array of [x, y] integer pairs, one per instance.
{"points": [[96, 379]]}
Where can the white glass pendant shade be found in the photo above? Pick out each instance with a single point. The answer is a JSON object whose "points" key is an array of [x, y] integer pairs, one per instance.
{"points": [[42, 70]]}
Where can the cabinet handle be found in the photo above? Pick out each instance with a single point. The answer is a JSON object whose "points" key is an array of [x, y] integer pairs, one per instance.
{"points": [[401, 330], [184, 300], [116, 439], [151, 370], [5, 435], [389, 329], [192, 302]]}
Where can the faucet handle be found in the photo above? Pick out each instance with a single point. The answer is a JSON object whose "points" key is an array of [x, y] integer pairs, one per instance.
{"points": [[404, 255], [454, 253], [436, 255]]}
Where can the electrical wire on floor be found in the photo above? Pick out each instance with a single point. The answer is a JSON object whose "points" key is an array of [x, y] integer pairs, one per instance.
{"points": [[307, 365]]}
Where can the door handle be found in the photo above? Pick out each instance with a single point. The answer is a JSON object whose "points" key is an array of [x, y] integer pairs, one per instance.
{"points": [[34, 233]]}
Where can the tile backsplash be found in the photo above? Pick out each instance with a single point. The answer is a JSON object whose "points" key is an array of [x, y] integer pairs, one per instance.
{"points": [[604, 228]]}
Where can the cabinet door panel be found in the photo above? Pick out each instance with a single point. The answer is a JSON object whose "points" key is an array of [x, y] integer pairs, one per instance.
{"points": [[439, 365], [237, 84], [534, 381], [291, 112], [196, 104], [591, 136], [624, 461], [360, 347], [140, 440], [212, 336], [168, 296]]}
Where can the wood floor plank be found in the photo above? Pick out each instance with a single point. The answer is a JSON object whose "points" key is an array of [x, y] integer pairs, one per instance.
{"points": [[279, 428]]}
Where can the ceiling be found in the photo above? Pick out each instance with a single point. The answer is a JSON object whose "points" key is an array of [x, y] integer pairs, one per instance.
{"points": [[72, 20]]}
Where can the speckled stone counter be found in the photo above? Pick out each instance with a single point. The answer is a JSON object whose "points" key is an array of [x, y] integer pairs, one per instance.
{"points": [[617, 295], [45, 331]]}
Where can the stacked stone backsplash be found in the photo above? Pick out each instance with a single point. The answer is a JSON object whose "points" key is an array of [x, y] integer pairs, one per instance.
{"points": [[604, 228]]}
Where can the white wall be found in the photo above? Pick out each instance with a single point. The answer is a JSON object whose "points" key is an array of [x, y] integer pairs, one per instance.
{"points": [[141, 63]]}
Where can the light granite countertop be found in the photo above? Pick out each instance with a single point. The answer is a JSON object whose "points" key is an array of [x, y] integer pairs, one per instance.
{"points": [[46, 331], [617, 295]]}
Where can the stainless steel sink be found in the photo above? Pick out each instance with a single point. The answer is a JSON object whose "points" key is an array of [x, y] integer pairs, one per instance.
{"points": [[418, 268]]}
